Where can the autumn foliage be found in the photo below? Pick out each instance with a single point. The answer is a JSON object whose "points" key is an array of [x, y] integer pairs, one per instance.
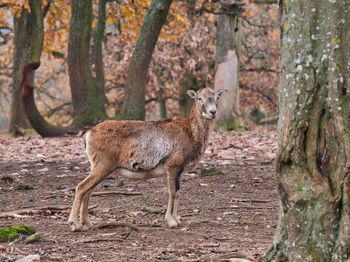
{"points": [[186, 48]]}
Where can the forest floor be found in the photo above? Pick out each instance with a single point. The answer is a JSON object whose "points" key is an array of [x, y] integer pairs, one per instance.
{"points": [[228, 212]]}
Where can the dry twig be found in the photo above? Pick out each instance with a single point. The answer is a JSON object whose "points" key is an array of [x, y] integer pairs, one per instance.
{"points": [[115, 224], [103, 193], [30, 211]]}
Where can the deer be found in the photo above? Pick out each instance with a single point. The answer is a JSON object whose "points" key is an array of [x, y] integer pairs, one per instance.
{"points": [[141, 150]]}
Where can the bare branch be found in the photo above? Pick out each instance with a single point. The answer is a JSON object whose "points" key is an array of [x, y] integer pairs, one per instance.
{"points": [[260, 69], [257, 25], [46, 8], [267, 97], [157, 98], [262, 2], [55, 109]]}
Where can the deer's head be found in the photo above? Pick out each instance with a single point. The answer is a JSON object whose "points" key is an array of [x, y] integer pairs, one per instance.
{"points": [[206, 101]]}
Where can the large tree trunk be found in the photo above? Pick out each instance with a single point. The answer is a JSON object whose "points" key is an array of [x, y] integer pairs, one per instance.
{"points": [[134, 102], [88, 107], [28, 43], [228, 50], [87, 92], [39, 123], [313, 159]]}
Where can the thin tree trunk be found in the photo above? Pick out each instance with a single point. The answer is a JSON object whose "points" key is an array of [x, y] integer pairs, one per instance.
{"points": [[162, 100], [228, 50], [313, 160], [85, 96], [97, 55], [28, 44], [134, 102], [185, 101], [189, 81]]}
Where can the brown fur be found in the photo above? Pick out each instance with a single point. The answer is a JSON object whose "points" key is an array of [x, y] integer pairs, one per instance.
{"points": [[142, 150]]}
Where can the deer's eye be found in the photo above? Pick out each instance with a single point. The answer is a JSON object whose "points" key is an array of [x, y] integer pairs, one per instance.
{"points": [[200, 99]]}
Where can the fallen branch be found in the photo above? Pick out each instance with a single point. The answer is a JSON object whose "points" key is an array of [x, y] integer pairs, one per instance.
{"points": [[110, 237], [31, 211], [152, 210], [93, 207], [238, 207], [231, 146], [115, 224], [103, 193], [251, 200], [268, 162]]}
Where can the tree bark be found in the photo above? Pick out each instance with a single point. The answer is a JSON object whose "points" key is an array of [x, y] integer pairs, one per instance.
{"points": [[134, 101], [313, 160], [87, 105], [88, 96], [28, 44], [163, 113], [228, 50], [97, 55]]}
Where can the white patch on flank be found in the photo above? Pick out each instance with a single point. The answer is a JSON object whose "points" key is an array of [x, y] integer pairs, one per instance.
{"points": [[156, 172]]}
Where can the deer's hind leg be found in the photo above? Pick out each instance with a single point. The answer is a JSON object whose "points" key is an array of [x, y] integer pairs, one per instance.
{"points": [[84, 211], [83, 191]]}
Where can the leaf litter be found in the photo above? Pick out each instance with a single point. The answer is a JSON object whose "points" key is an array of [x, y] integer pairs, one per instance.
{"points": [[231, 210]]}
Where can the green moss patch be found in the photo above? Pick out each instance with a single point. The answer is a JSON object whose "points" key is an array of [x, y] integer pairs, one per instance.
{"points": [[210, 172], [8, 234]]}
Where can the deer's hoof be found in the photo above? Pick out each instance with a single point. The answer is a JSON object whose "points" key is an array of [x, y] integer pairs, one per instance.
{"points": [[178, 220], [74, 226], [87, 224], [171, 221]]}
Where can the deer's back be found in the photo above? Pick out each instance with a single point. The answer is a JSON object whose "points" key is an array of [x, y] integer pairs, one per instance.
{"points": [[137, 145]]}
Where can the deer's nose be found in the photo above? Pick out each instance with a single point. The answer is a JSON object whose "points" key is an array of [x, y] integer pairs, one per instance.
{"points": [[212, 112]]}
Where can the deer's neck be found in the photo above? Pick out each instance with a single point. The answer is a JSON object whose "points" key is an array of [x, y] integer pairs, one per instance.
{"points": [[200, 127]]}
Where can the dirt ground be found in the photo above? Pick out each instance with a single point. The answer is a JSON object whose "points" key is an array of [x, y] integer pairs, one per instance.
{"points": [[232, 213]]}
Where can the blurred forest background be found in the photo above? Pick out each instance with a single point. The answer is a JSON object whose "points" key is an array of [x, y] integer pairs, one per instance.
{"points": [[96, 47]]}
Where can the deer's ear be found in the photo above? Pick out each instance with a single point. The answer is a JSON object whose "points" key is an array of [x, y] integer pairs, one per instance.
{"points": [[192, 94], [220, 92]]}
